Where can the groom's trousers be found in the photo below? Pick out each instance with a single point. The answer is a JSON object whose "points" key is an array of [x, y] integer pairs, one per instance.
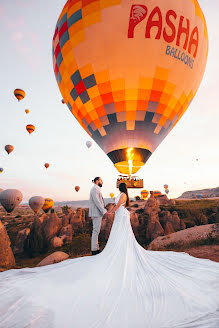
{"points": [[95, 233]]}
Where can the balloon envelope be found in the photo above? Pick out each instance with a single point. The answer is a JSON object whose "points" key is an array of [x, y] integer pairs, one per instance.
{"points": [[165, 186], [30, 128], [36, 203], [46, 165], [167, 191], [144, 194], [48, 204], [77, 188], [19, 94], [111, 194], [27, 111], [157, 193], [9, 148], [10, 198], [128, 72]]}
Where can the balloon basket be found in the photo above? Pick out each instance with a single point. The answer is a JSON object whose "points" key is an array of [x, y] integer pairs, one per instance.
{"points": [[132, 182]]}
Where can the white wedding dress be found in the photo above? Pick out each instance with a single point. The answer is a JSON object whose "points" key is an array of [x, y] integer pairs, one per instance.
{"points": [[125, 286]]}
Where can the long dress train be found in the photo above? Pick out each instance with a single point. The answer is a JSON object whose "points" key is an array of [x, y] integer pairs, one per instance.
{"points": [[124, 286]]}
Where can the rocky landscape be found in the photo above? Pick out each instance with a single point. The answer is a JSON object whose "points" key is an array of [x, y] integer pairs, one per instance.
{"points": [[205, 193], [158, 224]]}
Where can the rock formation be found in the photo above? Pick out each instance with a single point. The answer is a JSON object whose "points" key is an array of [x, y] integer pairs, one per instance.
{"points": [[54, 258], [7, 260], [66, 234], [20, 239], [56, 242], [198, 235], [51, 226]]}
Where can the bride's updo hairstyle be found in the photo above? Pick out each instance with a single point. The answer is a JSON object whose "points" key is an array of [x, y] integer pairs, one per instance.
{"points": [[123, 188]]}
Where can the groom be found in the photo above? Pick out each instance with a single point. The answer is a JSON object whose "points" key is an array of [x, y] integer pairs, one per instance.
{"points": [[96, 212]]}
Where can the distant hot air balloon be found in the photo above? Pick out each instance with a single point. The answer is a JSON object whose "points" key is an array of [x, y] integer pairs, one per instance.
{"points": [[1, 169], [36, 203], [88, 144], [167, 191], [165, 186], [9, 148], [77, 188], [27, 111], [63, 101], [128, 102], [48, 204], [46, 165], [111, 194], [144, 194], [157, 193], [19, 94], [10, 198], [30, 128]]}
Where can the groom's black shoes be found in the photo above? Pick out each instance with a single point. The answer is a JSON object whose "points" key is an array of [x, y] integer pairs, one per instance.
{"points": [[95, 252]]}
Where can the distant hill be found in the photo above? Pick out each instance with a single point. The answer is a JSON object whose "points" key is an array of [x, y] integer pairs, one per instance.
{"points": [[81, 203], [206, 193]]}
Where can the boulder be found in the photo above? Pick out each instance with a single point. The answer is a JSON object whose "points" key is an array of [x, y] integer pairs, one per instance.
{"points": [[20, 239], [198, 235], [66, 234], [54, 258], [7, 260], [56, 242]]}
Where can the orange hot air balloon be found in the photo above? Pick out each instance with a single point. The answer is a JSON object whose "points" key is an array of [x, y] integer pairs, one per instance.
{"points": [[144, 194], [9, 148], [27, 111], [128, 102], [111, 195], [157, 193], [46, 165], [77, 188], [30, 128], [19, 94]]}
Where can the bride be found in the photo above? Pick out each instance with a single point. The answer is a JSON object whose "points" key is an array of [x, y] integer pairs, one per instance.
{"points": [[125, 286]]}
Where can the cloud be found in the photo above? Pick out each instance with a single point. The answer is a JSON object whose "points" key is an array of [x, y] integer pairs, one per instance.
{"points": [[25, 42]]}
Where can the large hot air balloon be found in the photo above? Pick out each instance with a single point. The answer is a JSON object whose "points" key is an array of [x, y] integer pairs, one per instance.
{"points": [[111, 194], [1, 169], [77, 188], [27, 111], [30, 128], [128, 71], [88, 144], [10, 198], [144, 194], [36, 203], [46, 165], [48, 204], [9, 148], [19, 94]]}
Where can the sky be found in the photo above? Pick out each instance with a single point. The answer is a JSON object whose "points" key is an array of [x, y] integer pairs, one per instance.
{"points": [[27, 28]]}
